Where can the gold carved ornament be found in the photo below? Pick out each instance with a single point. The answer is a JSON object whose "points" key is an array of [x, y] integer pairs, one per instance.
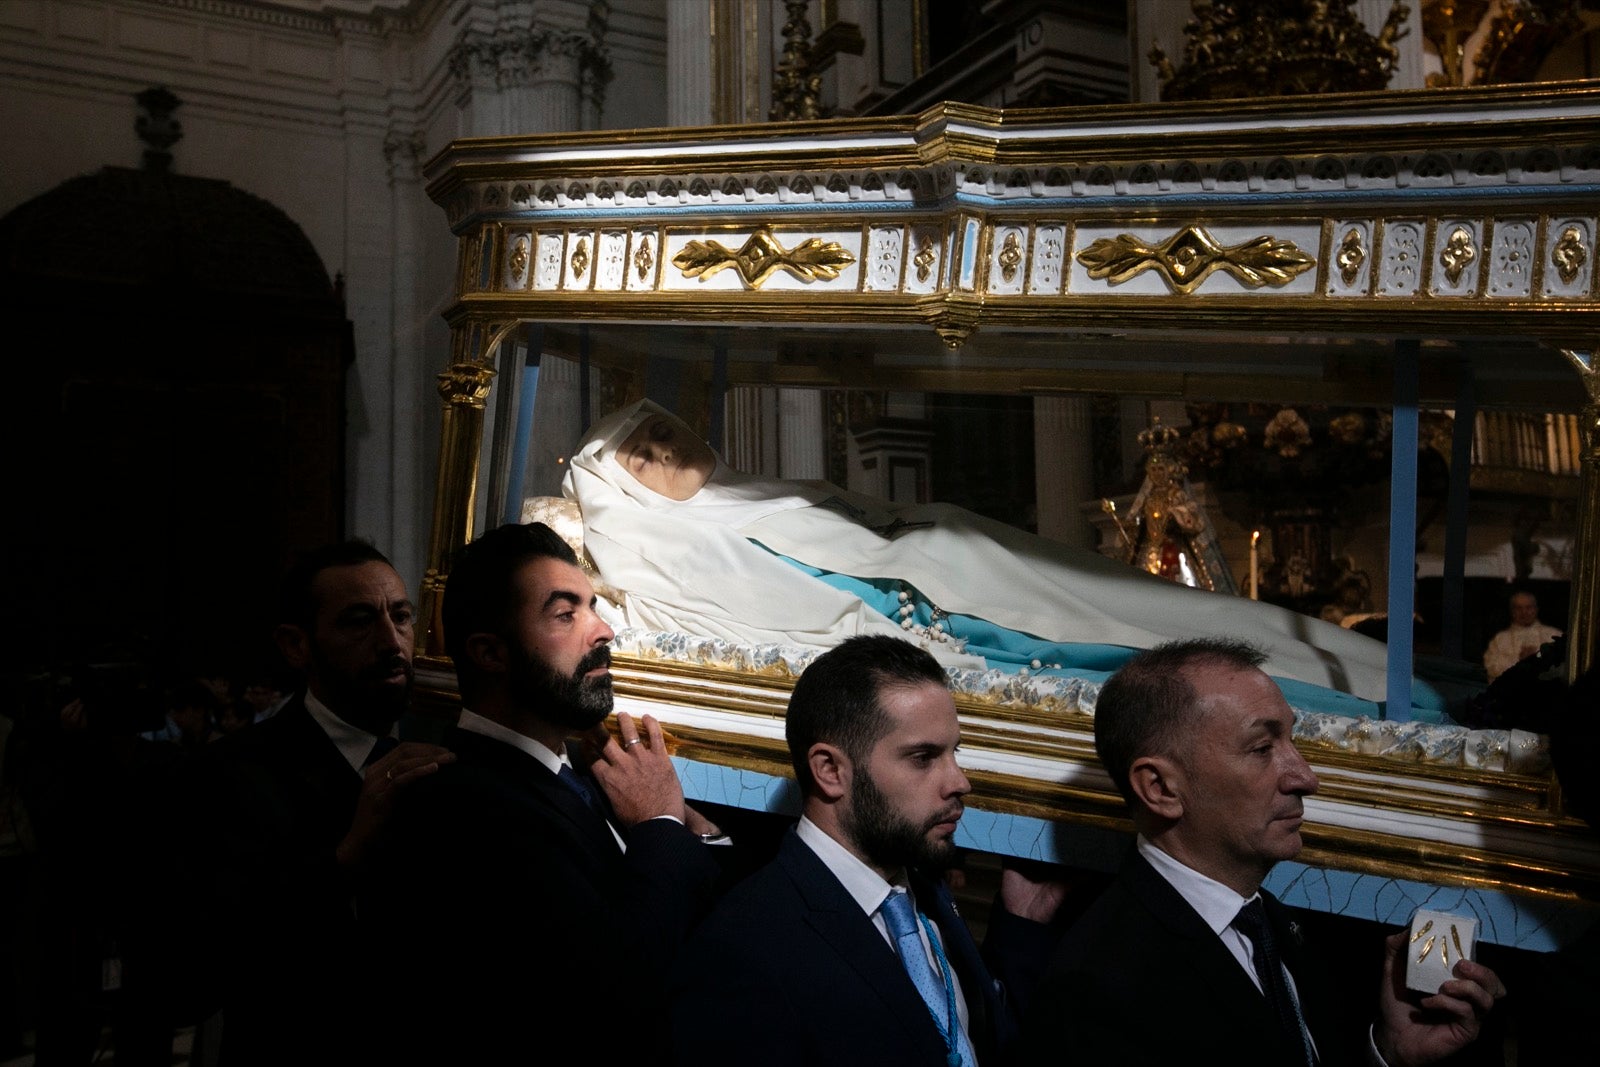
{"points": [[1457, 253], [466, 384], [580, 258], [762, 256], [643, 260], [1569, 254], [1350, 256], [519, 256], [924, 259], [1010, 256], [1189, 257]]}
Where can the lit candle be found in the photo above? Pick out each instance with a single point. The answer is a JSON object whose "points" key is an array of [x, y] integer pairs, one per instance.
{"points": [[1255, 535]]}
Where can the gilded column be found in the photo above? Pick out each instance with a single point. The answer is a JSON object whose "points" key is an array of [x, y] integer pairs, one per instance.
{"points": [[1583, 624], [464, 386]]}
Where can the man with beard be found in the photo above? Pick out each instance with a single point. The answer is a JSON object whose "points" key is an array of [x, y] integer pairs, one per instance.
{"points": [[290, 809], [559, 892], [847, 949]]}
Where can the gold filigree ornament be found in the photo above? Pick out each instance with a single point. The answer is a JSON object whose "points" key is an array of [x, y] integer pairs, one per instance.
{"points": [[1458, 253], [1569, 255], [643, 259], [762, 256], [1189, 257], [924, 259], [519, 256], [580, 257], [1010, 256], [1350, 256]]}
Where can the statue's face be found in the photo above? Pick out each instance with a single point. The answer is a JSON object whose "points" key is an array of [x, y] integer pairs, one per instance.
{"points": [[662, 455]]}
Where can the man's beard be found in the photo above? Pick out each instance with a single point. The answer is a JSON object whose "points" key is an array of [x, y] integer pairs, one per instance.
{"points": [[367, 699], [888, 839], [573, 701]]}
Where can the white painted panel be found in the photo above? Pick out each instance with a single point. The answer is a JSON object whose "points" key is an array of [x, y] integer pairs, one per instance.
{"points": [[1512, 259]]}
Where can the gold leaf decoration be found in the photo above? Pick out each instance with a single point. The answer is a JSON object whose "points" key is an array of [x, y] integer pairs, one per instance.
{"points": [[519, 256], [1569, 255], [1457, 253], [643, 260], [1191, 255], [762, 256], [1351, 255], [924, 259], [1010, 256], [580, 258]]}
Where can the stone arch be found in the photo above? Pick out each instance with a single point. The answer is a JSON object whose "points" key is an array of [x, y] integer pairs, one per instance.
{"points": [[185, 351]]}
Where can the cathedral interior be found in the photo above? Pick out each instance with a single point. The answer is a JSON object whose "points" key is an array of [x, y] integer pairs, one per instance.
{"points": [[273, 209]]}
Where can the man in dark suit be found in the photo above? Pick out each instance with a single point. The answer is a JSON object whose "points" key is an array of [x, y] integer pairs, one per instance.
{"points": [[1184, 958], [558, 891], [290, 809], [847, 948]]}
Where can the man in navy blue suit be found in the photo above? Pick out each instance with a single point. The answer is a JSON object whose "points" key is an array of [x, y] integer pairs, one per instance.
{"points": [[847, 948], [546, 892], [1184, 957]]}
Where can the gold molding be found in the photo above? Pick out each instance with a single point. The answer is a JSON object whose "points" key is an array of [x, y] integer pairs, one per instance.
{"points": [[763, 255], [1191, 255]]}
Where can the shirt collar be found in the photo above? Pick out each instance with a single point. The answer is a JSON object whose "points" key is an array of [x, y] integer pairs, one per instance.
{"points": [[1216, 904], [353, 743], [474, 723], [865, 886]]}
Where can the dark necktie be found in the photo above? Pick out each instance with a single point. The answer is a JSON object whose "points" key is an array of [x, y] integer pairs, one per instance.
{"points": [[1252, 923], [580, 785]]}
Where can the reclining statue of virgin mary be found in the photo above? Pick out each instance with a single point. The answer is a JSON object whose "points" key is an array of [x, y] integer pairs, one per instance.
{"points": [[692, 546]]}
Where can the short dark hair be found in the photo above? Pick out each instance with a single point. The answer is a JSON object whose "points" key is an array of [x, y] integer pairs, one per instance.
{"points": [[296, 604], [836, 699], [479, 594], [1147, 706]]}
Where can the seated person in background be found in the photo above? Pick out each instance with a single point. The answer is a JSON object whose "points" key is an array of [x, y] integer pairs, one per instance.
{"points": [[1519, 641], [696, 547], [1197, 740]]}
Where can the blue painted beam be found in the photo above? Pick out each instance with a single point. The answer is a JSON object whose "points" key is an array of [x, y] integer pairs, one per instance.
{"points": [[1402, 531]]}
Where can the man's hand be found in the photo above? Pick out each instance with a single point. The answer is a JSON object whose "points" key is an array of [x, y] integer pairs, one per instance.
{"points": [[637, 774], [409, 761], [1028, 890], [1412, 1032]]}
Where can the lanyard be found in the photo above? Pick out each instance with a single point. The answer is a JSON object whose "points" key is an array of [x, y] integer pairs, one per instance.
{"points": [[952, 1033]]}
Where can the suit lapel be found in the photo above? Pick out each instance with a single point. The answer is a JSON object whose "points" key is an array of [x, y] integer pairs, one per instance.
{"points": [[579, 822], [962, 952], [836, 917], [1193, 949]]}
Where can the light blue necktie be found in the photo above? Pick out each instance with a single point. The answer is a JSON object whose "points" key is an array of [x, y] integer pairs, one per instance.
{"points": [[901, 918]]}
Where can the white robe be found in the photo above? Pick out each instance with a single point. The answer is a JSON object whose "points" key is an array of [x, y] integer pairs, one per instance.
{"points": [[691, 567]]}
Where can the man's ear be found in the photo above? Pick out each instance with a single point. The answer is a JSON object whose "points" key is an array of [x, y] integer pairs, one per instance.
{"points": [[830, 769], [487, 653], [1157, 783], [294, 643]]}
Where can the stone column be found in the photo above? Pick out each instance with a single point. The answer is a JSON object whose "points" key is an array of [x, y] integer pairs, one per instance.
{"points": [[412, 424], [1063, 468], [801, 443], [689, 64]]}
